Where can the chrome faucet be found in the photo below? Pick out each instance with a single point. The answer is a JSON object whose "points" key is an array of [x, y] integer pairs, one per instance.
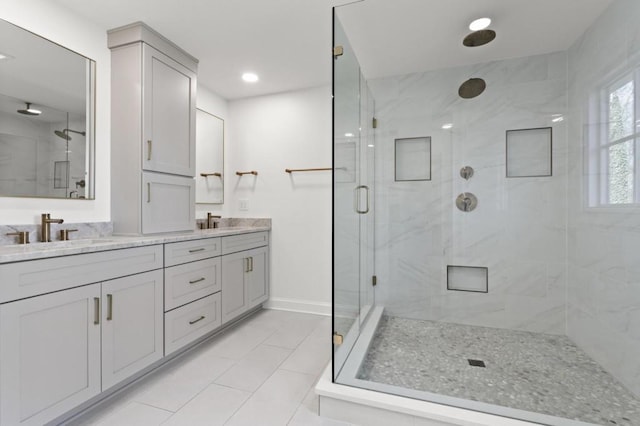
{"points": [[45, 228], [209, 217]]}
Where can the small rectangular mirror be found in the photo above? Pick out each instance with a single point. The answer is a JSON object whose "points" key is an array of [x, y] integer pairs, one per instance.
{"points": [[209, 158], [47, 109]]}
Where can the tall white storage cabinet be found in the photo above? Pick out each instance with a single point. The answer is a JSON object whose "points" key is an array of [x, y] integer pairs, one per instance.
{"points": [[153, 119]]}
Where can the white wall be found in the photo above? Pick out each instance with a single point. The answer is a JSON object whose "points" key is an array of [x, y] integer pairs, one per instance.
{"points": [[269, 134], [62, 26], [519, 227], [604, 273]]}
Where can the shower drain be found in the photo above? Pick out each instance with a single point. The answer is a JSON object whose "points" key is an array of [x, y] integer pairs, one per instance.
{"points": [[476, 362]]}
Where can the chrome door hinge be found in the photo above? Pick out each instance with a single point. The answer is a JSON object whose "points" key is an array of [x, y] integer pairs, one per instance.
{"points": [[338, 51], [374, 123], [374, 280], [337, 338]]}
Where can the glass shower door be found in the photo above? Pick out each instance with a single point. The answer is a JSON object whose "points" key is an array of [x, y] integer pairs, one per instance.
{"points": [[349, 197]]}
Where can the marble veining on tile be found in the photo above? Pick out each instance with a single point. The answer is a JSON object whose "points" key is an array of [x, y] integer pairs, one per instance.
{"points": [[535, 372]]}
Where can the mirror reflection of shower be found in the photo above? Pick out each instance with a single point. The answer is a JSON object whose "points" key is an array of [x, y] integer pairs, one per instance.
{"points": [[64, 134]]}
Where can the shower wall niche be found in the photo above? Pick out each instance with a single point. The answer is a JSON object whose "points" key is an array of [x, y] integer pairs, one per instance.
{"points": [[517, 231]]}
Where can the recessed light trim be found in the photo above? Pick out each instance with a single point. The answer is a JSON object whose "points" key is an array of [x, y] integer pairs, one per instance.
{"points": [[250, 77], [480, 24]]}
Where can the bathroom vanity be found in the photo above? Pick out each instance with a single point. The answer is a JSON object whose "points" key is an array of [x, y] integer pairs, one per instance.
{"points": [[81, 319]]}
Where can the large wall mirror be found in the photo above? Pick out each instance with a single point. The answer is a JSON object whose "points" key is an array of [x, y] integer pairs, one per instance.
{"points": [[209, 158], [47, 110]]}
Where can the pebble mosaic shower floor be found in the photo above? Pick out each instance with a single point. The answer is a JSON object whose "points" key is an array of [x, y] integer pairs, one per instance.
{"points": [[534, 372]]}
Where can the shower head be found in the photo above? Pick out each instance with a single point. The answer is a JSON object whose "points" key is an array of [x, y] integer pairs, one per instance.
{"points": [[479, 38], [472, 88], [64, 134], [29, 111]]}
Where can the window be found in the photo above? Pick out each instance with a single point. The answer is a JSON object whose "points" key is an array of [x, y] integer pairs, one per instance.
{"points": [[614, 170]]}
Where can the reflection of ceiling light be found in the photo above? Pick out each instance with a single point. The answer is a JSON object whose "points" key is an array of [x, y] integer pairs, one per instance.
{"points": [[447, 126], [250, 77], [557, 119], [480, 24], [5, 56], [349, 135], [370, 146]]}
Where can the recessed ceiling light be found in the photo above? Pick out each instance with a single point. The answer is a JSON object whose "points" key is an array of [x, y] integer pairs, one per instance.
{"points": [[250, 77], [480, 24], [447, 126], [370, 146], [349, 135], [557, 119]]}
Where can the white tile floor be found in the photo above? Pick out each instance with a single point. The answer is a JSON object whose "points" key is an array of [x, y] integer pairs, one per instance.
{"points": [[261, 372]]}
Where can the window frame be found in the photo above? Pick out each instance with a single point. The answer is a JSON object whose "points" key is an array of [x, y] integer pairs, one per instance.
{"points": [[598, 158]]}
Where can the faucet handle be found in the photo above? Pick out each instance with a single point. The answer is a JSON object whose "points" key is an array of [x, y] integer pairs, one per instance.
{"points": [[23, 236], [64, 234]]}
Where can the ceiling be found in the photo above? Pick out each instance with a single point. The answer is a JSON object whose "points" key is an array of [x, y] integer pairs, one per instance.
{"points": [[287, 42]]}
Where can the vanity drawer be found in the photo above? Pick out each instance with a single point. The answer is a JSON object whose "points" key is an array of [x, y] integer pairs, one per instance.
{"points": [[190, 251], [190, 281], [236, 243], [190, 322], [34, 277]]}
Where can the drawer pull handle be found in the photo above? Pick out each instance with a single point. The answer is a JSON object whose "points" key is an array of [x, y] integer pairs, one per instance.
{"points": [[197, 281], [196, 250], [149, 146], [96, 310], [251, 264], [247, 268], [109, 307], [148, 192], [196, 320]]}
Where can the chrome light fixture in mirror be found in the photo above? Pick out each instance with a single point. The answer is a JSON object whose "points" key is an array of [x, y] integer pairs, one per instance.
{"points": [[47, 110]]}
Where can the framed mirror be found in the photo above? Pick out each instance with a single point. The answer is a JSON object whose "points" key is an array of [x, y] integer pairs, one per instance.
{"points": [[209, 158], [47, 110]]}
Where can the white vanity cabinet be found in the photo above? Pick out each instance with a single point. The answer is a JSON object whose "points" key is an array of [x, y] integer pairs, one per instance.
{"points": [[49, 355], [153, 119], [132, 325], [192, 291], [73, 326], [245, 273]]}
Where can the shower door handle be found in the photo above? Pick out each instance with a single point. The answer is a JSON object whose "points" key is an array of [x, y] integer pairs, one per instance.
{"points": [[357, 199]]}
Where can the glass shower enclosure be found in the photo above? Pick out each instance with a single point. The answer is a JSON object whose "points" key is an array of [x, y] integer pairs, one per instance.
{"points": [[486, 217]]}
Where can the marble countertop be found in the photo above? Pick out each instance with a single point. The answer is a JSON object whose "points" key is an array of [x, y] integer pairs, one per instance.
{"points": [[18, 253]]}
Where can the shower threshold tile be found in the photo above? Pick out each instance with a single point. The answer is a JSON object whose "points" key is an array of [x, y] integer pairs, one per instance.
{"points": [[540, 373]]}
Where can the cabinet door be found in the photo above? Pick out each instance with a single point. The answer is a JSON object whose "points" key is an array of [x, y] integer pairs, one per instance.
{"points": [[168, 203], [258, 276], [169, 115], [50, 355], [132, 325], [234, 301]]}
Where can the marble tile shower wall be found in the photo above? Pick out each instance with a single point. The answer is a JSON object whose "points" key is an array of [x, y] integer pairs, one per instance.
{"points": [[518, 230], [603, 315]]}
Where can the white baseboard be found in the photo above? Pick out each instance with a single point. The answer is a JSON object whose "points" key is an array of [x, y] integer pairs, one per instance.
{"points": [[296, 305]]}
